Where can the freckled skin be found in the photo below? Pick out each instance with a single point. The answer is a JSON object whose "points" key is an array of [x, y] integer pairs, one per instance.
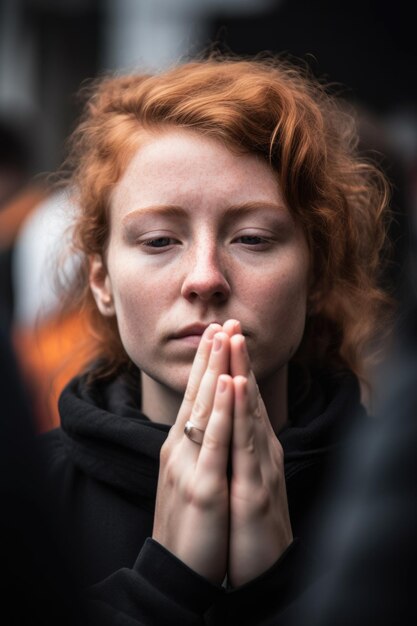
{"points": [[165, 272]]}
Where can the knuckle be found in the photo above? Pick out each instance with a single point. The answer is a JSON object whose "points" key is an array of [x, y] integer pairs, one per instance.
{"points": [[170, 473], [165, 452], [211, 367], [202, 498], [258, 501], [200, 356], [262, 500], [257, 413], [212, 370], [196, 497], [188, 493], [190, 391], [278, 456], [199, 409], [212, 443], [250, 446]]}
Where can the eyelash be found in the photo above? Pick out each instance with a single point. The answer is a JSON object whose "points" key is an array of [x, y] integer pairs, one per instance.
{"points": [[260, 239], [153, 243]]}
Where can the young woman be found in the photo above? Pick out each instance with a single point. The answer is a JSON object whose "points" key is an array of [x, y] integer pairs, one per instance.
{"points": [[229, 239]]}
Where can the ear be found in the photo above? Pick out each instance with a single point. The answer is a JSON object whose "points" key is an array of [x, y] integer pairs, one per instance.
{"points": [[100, 286]]}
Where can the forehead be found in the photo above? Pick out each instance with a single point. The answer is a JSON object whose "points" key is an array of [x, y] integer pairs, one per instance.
{"points": [[185, 168]]}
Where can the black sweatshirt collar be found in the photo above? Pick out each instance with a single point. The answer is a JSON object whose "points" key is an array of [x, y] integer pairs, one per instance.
{"points": [[110, 439]]}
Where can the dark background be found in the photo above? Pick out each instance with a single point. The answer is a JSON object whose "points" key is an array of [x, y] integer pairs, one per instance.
{"points": [[49, 47]]}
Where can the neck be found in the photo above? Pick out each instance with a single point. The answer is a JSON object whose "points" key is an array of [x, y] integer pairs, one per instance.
{"points": [[161, 404]]}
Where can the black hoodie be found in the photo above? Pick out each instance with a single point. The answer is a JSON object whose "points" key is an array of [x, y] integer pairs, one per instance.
{"points": [[103, 469]]}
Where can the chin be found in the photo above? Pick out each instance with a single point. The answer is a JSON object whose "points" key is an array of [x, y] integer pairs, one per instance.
{"points": [[178, 383], [174, 379]]}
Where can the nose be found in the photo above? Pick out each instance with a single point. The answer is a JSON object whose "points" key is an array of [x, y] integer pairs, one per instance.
{"points": [[205, 279]]}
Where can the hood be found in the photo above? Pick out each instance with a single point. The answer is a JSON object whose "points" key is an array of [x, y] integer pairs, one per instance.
{"points": [[107, 435], [324, 408], [110, 439]]}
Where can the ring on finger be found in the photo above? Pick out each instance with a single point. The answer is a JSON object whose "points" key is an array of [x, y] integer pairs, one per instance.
{"points": [[193, 433]]}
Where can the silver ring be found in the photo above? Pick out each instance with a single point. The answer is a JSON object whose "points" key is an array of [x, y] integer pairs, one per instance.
{"points": [[193, 433]]}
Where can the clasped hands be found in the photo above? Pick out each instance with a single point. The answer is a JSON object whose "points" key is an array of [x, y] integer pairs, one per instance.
{"points": [[222, 507]]}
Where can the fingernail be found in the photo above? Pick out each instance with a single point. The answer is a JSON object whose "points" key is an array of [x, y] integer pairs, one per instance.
{"points": [[222, 385], [210, 331], [217, 344], [243, 387]]}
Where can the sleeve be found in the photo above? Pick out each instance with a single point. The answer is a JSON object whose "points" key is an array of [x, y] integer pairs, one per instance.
{"points": [[269, 599], [160, 590]]}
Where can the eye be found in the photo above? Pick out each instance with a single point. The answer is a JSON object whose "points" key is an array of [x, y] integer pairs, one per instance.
{"points": [[251, 240], [254, 242], [159, 242]]}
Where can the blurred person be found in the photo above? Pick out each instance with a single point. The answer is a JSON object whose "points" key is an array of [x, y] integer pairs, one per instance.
{"points": [[367, 538], [20, 198], [38, 586], [38, 582], [16, 202], [44, 335], [14, 161], [370, 545], [230, 240]]}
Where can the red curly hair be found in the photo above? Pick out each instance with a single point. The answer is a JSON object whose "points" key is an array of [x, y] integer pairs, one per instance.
{"points": [[271, 108]]}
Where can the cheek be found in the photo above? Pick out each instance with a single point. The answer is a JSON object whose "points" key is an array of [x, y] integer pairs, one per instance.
{"points": [[278, 295], [290, 296], [136, 304], [279, 300]]}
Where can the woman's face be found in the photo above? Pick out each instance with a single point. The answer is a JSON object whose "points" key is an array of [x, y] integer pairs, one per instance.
{"points": [[200, 234]]}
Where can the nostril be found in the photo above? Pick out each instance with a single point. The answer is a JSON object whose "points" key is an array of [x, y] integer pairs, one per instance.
{"points": [[219, 295], [205, 279], [218, 290]]}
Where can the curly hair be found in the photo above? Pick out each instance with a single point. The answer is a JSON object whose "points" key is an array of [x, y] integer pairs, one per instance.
{"points": [[269, 107]]}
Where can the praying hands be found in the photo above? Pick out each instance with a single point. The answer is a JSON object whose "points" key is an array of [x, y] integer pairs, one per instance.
{"points": [[221, 502]]}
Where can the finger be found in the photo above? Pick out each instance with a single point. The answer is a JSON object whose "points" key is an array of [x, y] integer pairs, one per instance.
{"points": [[245, 448], [214, 454], [264, 439], [239, 357], [232, 327], [196, 374], [218, 364], [240, 366], [266, 442]]}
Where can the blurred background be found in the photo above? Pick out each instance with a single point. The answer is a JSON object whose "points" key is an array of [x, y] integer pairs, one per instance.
{"points": [[48, 48]]}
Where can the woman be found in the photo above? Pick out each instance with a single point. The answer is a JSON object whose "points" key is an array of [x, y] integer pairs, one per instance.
{"points": [[229, 239]]}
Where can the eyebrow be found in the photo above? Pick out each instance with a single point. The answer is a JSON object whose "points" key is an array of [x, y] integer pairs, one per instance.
{"points": [[247, 208], [172, 210], [168, 210]]}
